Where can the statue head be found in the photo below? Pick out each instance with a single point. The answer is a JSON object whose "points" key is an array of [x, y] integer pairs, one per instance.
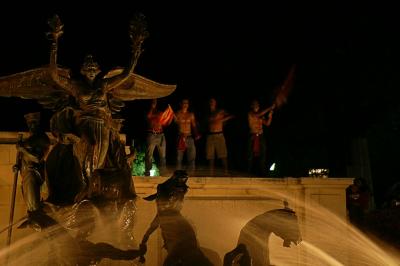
{"points": [[170, 194], [33, 121], [90, 68], [284, 224]]}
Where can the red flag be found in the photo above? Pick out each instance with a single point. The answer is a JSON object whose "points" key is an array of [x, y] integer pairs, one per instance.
{"points": [[283, 91], [167, 116]]}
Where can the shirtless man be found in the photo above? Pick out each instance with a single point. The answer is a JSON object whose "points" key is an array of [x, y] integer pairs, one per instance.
{"points": [[215, 138], [256, 145], [187, 135], [155, 135]]}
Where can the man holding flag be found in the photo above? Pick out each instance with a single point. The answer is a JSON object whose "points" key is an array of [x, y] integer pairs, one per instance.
{"points": [[257, 120], [156, 120]]}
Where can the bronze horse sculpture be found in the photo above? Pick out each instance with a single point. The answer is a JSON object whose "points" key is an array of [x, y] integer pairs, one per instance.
{"points": [[179, 237], [255, 234]]}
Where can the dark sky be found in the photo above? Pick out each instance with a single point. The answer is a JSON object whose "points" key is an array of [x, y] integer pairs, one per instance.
{"points": [[346, 84]]}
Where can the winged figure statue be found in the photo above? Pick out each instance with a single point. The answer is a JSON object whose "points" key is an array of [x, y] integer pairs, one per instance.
{"points": [[84, 105]]}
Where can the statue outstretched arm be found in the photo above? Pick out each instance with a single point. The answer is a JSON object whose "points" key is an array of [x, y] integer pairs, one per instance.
{"points": [[153, 226], [127, 85], [56, 30], [46, 84], [106, 250], [138, 33]]}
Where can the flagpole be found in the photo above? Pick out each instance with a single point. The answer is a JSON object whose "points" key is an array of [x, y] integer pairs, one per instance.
{"points": [[17, 168]]}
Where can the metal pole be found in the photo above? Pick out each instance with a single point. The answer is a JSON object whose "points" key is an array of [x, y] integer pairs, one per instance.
{"points": [[13, 196]]}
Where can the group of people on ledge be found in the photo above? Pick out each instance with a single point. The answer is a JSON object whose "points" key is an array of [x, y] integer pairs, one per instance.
{"points": [[215, 144]]}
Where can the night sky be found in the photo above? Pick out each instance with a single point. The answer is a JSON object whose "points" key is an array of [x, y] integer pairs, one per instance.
{"points": [[346, 85]]}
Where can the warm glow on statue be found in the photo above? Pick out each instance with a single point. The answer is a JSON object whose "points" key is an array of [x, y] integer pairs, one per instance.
{"points": [[84, 106], [94, 94], [87, 165]]}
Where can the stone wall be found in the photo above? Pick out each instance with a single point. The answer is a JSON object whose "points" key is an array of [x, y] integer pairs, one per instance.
{"points": [[217, 207]]}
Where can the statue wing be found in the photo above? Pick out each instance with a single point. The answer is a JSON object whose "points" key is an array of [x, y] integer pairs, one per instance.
{"points": [[138, 87], [36, 84]]}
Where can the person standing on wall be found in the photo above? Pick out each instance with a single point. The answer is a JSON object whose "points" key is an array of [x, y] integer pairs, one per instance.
{"points": [[188, 133], [215, 144], [256, 143], [156, 120]]}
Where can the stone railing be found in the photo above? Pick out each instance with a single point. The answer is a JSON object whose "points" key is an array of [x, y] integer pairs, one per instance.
{"points": [[217, 206]]}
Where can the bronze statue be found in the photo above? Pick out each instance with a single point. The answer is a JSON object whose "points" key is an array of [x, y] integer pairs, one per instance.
{"points": [[84, 106], [63, 169], [87, 165], [179, 237], [86, 252], [97, 95], [33, 150], [239, 256], [255, 234]]}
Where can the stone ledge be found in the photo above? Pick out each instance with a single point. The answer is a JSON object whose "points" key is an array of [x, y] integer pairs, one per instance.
{"points": [[209, 182], [11, 137]]}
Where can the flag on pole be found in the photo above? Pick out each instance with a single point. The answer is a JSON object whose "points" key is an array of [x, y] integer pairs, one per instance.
{"points": [[167, 116], [282, 93]]}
